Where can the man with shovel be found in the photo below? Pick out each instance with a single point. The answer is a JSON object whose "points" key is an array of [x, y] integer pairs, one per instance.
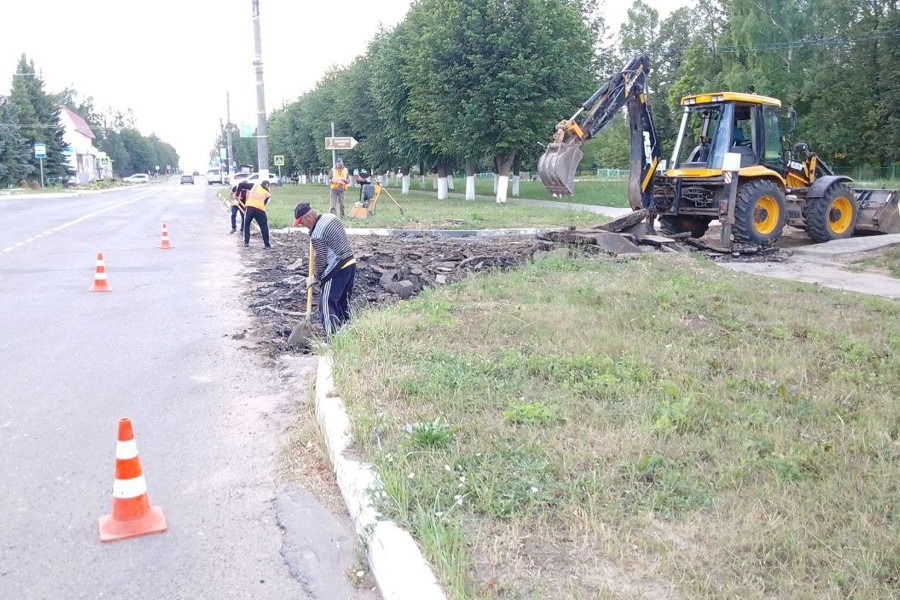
{"points": [[334, 268]]}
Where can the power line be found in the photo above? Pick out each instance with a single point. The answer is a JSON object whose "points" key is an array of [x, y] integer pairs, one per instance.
{"points": [[796, 44]]}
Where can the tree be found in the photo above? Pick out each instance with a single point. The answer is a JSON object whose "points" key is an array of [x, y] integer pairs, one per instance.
{"points": [[491, 77], [15, 151], [37, 114]]}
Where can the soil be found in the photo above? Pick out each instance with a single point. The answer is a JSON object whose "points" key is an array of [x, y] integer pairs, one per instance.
{"points": [[389, 269]]}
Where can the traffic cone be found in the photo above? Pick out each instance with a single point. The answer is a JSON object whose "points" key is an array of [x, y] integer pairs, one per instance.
{"points": [[164, 243], [100, 284], [131, 514]]}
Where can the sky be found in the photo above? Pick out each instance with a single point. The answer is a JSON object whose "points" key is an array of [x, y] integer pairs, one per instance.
{"points": [[174, 63]]}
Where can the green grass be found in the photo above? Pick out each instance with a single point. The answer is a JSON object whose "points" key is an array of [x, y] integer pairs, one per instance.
{"points": [[424, 211], [887, 260], [588, 190], [657, 426]]}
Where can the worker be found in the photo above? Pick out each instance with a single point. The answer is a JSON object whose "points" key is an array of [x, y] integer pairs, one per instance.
{"points": [[257, 199], [238, 197], [335, 266], [339, 180]]}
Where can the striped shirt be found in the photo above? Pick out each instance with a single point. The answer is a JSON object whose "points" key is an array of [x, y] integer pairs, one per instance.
{"points": [[329, 240]]}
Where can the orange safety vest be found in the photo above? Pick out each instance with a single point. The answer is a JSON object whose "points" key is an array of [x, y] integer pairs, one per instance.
{"points": [[338, 174], [257, 197]]}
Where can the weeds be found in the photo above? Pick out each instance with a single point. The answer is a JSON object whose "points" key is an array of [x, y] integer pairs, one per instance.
{"points": [[694, 431]]}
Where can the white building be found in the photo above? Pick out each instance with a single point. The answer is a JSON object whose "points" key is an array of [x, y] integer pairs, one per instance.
{"points": [[81, 150]]}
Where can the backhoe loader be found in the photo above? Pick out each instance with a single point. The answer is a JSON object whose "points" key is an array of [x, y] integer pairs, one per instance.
{"points": [[728, 164]]}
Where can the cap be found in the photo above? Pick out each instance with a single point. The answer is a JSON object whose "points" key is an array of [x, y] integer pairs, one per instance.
{"points": [[300, 211]]}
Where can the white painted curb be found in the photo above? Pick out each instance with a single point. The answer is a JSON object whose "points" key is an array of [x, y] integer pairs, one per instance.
{"points": [[396, 561]]}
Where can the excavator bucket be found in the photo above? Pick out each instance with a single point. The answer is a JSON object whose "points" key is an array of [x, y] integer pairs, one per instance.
{"points": [[878, 211], [557, 167]]}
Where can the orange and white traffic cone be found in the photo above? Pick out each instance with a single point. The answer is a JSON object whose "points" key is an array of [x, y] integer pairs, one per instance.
{"points": [[164, 243], [100, 284], [131, 514]]}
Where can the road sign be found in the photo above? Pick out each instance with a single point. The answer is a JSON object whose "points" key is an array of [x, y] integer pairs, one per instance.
{"points": [[40, 150], [340, 143], [246, 130], [279, 160]]}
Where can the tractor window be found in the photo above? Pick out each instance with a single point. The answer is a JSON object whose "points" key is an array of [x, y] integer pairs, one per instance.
{"points": [[702, 141], [772, 151]]}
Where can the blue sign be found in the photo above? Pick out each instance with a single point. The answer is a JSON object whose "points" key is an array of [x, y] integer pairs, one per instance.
{"points": [[40, 150], [246, 130]]}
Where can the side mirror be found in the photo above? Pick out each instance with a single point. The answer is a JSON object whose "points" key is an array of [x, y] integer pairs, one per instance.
{"points": [[801, 148]]}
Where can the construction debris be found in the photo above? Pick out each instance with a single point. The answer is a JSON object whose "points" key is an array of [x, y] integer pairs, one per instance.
{"points": [[394, 268]]}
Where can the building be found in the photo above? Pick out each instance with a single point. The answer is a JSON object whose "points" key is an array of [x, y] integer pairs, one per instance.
{"points": [[82, 154]]}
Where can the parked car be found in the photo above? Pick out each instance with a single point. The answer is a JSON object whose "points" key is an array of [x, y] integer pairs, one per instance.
{"points": [[238, 177], [273, 179], [196, 173], [187, 178], [137, 178]]}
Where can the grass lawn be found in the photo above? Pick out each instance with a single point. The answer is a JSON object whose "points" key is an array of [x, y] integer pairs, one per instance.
{"points": [[887, 260], [424, 211], [585, 428], [588, 190]]}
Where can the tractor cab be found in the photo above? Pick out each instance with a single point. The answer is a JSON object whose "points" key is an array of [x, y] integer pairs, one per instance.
{"points": [[715, 124]]}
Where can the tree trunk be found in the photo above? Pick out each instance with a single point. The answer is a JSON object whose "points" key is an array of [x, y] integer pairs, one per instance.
{"points": [[450, 181], [470, 180], [503, 165], [442, 191], [517, 169], [404, 171]]}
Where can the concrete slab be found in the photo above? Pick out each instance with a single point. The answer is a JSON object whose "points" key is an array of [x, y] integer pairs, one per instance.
{"points": [[830, 250]]}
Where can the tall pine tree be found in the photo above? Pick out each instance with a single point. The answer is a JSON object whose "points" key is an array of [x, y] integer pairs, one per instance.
{"points": [[37, 115]]}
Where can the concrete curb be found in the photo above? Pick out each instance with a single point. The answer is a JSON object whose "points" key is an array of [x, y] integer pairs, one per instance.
{"points": [[396, 562]]}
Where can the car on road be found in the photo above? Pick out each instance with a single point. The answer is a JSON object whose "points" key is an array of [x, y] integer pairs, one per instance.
{"points": [[215, 175], [187, 178], [273, 179], [137, 178]]}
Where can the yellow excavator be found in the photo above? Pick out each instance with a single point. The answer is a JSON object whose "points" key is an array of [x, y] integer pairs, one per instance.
{"points": [[728, 164]]}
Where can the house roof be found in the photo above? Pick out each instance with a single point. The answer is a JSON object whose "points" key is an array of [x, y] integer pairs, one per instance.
{"points": [[81, 125]]}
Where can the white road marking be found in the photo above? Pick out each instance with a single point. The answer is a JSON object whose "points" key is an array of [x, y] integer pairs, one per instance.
{"points": [[80, 219]]}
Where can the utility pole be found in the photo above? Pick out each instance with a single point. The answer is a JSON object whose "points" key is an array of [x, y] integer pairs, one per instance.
{"points": [[229, 148], [262, 138]]}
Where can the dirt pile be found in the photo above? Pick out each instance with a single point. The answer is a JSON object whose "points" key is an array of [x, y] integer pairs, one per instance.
{"points": [[389, 268]]}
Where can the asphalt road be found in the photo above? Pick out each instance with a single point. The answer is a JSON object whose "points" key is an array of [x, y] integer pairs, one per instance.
{"points": [[210, 420]]}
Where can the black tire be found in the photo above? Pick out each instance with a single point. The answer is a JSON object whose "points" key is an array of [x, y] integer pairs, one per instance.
{"points": [[834, 215], [759, 213], [697, 226]]}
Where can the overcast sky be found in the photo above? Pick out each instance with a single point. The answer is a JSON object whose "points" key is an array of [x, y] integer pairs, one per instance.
{"points": [[171, 62]]}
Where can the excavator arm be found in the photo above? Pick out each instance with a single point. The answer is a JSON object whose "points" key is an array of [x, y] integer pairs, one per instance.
{"points": [[558, 165]]}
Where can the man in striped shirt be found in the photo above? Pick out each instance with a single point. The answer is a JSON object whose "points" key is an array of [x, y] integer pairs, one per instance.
{"points": [[335, 266]]}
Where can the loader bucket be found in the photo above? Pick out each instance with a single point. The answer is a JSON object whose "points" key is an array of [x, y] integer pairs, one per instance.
{"points": [[557, 166], [878, 211]]}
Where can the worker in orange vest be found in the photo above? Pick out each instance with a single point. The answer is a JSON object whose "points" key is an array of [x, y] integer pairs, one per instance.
{"points": [[339, 181]]}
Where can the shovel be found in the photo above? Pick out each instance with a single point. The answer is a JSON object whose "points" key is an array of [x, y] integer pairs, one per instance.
{"points": [[302, 331]]}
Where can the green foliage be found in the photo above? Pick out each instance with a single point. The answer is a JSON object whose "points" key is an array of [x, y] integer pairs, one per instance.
{"points": [[430, 435], [530, 413]]}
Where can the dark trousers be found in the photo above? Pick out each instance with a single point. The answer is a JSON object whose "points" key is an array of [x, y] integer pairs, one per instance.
{"points": [[334, 301], [234, 212], [254, 214]]}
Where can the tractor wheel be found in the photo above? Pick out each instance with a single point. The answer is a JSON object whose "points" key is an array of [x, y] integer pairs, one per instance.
{"points": [[759, 213], [834, 215], [697, 226]]}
